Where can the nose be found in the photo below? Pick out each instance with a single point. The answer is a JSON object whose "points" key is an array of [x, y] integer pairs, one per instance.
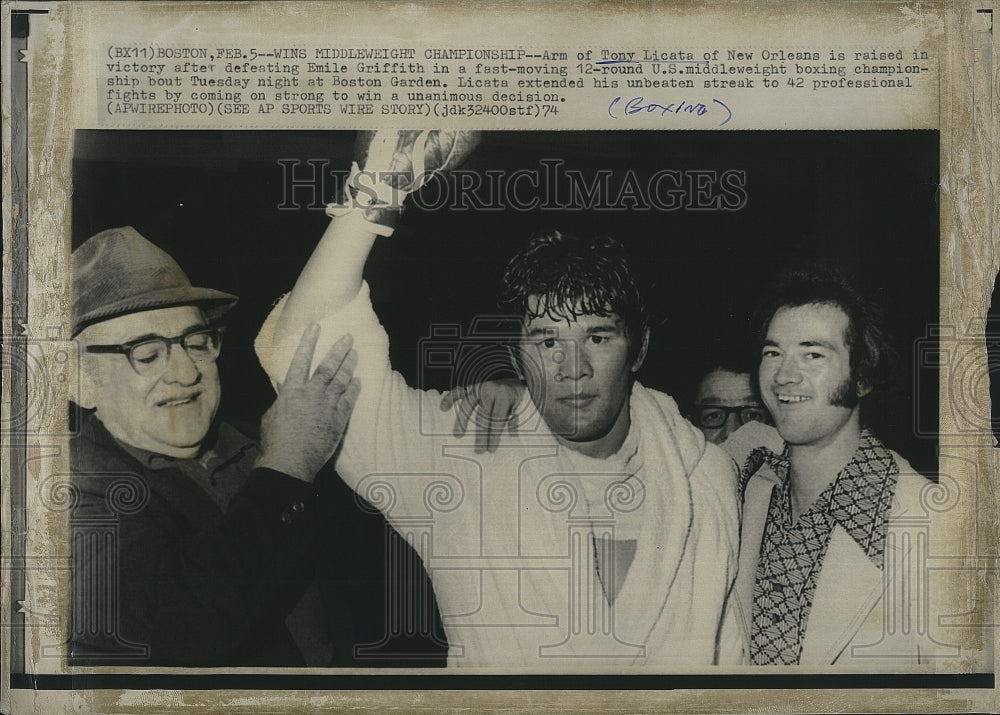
{"points": [[181, 369], [788, 372], [576, 363]]}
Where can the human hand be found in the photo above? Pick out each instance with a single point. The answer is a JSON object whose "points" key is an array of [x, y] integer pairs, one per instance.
{"points": [[406, 160], [391, 164], [493, 403], [304, 426]]}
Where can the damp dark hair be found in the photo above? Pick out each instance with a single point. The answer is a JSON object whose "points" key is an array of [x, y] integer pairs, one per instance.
{"points": [[871, 355], [575, 276]]}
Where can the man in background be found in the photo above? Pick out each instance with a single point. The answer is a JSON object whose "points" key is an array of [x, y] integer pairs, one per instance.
{"points": [[725, 400]]}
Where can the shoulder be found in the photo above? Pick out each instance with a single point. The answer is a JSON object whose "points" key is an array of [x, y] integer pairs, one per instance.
{"points": [[712, 472], [658, 418], [654, 410], [666, 404], [750, 437], [912, 489], [715, 500], [97, 463], [716, 478], [92, 448]]}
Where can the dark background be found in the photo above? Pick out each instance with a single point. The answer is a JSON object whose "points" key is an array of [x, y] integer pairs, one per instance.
{"points": [[865, 200]]}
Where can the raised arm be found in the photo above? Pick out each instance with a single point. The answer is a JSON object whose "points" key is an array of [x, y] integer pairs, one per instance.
{"points": [[331, 278], [389, 166], [392, 427]]}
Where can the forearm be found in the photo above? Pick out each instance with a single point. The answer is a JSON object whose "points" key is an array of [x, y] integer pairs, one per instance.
{"points": [[331, 278], [389, 165]]}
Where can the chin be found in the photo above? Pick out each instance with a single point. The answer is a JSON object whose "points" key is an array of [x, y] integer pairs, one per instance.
{"points": [[190, 437], [589, 434], [787, 435], [797, 437]]}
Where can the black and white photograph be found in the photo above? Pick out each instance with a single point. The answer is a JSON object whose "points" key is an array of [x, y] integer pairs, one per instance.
{"points": [[571, 356], [498, 357]]}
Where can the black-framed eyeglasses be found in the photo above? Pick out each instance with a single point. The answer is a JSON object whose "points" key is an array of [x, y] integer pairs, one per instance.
{"points": [[713, 416], [149, 356]]}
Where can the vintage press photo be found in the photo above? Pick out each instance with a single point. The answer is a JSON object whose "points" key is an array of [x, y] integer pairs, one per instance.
{"points": [[666, 380]]}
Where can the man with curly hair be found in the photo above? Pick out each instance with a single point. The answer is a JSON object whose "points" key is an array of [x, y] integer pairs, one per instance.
{"points": [[603, 535]]}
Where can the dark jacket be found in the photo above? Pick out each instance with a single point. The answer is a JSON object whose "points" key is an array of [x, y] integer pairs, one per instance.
{"points": [[163, 575]]}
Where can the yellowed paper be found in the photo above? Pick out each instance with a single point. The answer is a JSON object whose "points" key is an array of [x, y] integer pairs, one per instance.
{"points": [[188, 95]]}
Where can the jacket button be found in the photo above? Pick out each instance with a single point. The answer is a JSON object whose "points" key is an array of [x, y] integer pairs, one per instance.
{"points": [[288, 515]]}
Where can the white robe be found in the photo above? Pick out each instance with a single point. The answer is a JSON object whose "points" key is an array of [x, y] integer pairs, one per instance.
{"points": [[507, 537]]}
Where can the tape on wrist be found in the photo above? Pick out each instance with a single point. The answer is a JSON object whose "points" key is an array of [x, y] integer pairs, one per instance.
{"points": [[377, 199], [356, 213], [368, 201]]}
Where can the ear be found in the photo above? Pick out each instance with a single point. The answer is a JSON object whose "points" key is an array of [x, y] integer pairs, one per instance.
{"points": [[641, 356], [862, 388], [88, 385]]}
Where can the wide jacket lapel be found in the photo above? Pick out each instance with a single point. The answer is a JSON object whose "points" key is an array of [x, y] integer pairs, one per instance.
{"points": [[849, 587], [756, 499]]}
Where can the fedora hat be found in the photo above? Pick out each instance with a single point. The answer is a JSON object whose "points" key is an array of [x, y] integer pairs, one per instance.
{"points": [[118, 272]]}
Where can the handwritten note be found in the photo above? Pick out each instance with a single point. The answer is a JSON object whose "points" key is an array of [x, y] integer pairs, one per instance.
{"points": [[620, 108]]}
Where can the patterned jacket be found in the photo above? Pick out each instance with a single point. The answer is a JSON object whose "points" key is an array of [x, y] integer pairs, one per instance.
{"points": [[862, 614]]}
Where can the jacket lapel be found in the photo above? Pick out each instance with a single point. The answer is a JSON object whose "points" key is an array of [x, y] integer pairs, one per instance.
{"points": [[756, 500], [849, 587]]}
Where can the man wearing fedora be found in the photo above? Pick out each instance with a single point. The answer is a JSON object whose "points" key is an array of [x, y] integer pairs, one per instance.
{"points": [[192, 544]]}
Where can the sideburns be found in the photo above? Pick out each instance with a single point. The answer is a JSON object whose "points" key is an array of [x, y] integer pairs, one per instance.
{"points": [[845, 394]]}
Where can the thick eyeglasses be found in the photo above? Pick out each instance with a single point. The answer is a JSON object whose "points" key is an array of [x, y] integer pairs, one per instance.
{"points": [[149, 356], [712, 416]]}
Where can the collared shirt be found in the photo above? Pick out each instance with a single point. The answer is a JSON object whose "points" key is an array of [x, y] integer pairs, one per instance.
{"points": [[221, 470], [792, 551]]}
